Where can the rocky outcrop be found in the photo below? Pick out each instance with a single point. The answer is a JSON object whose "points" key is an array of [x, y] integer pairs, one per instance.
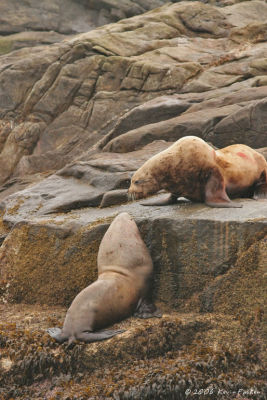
{"points": [[68, 16], [194, 250], [34, 23], [123, 86], [90, 111]]}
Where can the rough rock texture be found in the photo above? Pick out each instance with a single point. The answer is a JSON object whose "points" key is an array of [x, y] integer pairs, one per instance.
{"points": [[77, 118], [194, 248], [67, 16], [192, 352], [85, 84], [27, 24], [122, 86]]}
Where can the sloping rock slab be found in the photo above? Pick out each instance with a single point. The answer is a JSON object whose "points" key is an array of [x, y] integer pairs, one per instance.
{"points": [[80, 184], [248, 125], [58, 101], [199, 123]]}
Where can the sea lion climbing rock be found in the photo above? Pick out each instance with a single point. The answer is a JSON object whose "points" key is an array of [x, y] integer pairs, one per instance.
{"points": [[193, 169], [124, 272]]}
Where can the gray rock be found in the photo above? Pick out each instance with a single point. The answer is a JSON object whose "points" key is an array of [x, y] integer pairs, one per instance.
{"points": [[199, 123], [123, 86], [114, 197], [158, 109], [77, 115], [247, 125], [192, 246]]}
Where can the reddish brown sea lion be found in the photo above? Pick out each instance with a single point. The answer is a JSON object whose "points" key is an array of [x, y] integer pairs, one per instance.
{"points": [[193, 169], [124, 271]]}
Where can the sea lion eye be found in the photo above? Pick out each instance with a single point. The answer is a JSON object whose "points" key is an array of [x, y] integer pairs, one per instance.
{"points": [[138, 182]]}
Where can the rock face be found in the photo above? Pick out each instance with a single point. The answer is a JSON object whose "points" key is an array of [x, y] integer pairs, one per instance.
{"points": [[77, 118], [125, 85], [194, 248], [31, 23], [68, 16]]}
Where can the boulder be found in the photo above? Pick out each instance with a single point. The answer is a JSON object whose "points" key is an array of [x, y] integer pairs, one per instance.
{"points": [[199, 123], [248, 124], [193, 247], [91, 90]]}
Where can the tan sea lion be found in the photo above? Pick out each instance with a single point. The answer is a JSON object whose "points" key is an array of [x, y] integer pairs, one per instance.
{"points": [[124, 271], [193, 169]]}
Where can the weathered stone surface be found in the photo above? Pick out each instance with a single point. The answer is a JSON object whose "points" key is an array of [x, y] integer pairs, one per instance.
{"points": [[249, 125], [80, 184], [20, 40], [19, 142], [158, 109], [252, 33], [191, 246], [114, 197], [66, 259], [263, 151], [78, 91], [66, 16], [246, 12], [199, 123]]}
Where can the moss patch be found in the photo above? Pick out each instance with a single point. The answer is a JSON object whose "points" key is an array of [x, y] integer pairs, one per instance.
{"points": [[191, 352], [49, 265], [243, 290], [3, 228], [5, 46]]}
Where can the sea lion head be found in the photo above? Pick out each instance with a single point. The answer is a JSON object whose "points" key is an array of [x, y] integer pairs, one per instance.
{"points": [[143, 184]]}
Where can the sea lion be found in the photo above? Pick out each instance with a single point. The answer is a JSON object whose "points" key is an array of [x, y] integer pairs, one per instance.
{"points": [[124, 271], [193, 169]]}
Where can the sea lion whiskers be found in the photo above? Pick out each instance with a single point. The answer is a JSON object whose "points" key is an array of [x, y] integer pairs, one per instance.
{"points": [[130, 196]]}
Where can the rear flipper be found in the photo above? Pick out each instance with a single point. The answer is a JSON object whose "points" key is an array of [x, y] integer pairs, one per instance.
{"points": [[215, 194], [89, 337], [163, 201], [146, 310], [56, 333], [260, 190]]}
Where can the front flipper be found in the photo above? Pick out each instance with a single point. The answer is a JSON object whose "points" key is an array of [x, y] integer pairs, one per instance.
{"points": [[163, 201], [56, 333], [220, 203], [215, 194], [89, 337], [146, 310]]}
